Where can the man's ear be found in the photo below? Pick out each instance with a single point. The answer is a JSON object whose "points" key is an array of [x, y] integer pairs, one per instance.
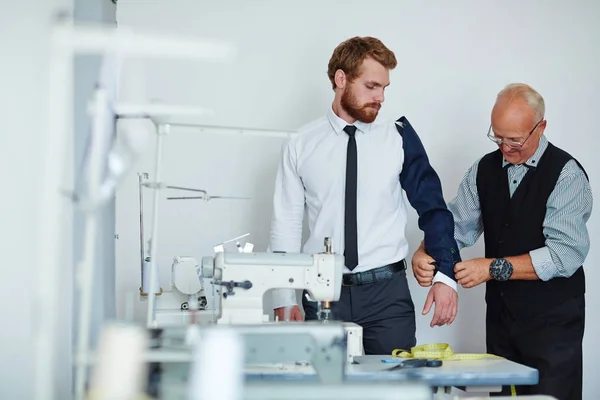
{"points": [[340, 79], [542, 127]]}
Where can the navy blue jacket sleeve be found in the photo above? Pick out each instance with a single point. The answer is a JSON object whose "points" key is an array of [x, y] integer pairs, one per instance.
{"points": [[424, 191]]}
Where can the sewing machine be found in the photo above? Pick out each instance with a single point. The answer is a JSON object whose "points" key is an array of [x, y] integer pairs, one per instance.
{"points": [[185, 300], [244, 278], [240, 281], [185, 297]]}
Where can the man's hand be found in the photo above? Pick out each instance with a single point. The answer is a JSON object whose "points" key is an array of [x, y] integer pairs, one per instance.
{"points": [[423, 268], [472, 272], [292, 313], [446, 304]]}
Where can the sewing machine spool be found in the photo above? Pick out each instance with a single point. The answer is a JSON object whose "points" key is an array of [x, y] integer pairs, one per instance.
{"points": [[147, 286]]}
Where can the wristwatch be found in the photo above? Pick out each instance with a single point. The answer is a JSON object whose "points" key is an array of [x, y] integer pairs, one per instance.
{"points": [[501, 269]]}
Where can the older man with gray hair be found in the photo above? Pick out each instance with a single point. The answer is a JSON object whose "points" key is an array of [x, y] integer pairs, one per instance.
{"points": [[531, 201]]}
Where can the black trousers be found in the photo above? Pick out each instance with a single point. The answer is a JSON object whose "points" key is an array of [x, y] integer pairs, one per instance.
{"points": [[551, 343], [383, 309]]}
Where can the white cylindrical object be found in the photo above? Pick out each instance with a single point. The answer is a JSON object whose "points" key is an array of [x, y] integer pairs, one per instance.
{"points": [[52, 176], [86, 267], [147, 285], [217, 371], [150, 311], [98, 39], [120, 371], [157, 110]]}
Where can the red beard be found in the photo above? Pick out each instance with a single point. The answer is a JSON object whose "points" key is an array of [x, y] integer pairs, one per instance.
{"points": [[365, 113]]}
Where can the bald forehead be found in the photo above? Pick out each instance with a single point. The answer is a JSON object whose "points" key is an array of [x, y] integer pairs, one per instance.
{"points": [[514, 109]]}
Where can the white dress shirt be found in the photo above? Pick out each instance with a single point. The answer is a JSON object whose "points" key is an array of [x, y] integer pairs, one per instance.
{"points": [[311, 177]]}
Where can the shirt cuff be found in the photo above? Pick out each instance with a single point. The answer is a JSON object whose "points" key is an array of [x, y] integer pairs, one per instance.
{"points": [[284, 298], [542, 263], [440, 277]]}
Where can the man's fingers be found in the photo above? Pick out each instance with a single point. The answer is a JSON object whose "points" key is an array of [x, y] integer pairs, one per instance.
{"points": [[464, 274], [453, 315], [428, 303], [440, 308], [459, 267], [426, 265], [438, 316], [297, 314], [424, 275], [466, 282], [292, 313], [469, 284], [449, 312], [424, 279]]}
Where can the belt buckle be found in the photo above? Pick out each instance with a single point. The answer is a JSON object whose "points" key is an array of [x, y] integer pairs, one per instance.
{"points": [[349, 279]]}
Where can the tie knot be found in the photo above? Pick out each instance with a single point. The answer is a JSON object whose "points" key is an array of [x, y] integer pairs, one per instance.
{"points": [[350, 130]]}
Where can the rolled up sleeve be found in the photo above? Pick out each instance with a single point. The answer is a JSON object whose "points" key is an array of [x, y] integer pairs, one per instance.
{"points": [[567, 239], [288, 214]]}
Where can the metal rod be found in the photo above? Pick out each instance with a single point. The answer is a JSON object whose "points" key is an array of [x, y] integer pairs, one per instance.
{"points": [[86, 268], [161, 130], [237, 130], [188, 198], [208, 198], [142, 252], [158, 110], [188, 189]]}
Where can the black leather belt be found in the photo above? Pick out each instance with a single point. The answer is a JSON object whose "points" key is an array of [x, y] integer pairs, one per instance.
{"points": [[374, 275]]}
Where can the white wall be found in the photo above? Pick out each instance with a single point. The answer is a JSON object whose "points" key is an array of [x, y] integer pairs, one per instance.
{"points": [[24, 79], [25, 44], [86, 69], [453, 59]]}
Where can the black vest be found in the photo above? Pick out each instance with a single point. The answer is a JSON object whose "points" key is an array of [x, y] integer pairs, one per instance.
{"points": [[513, 226]]}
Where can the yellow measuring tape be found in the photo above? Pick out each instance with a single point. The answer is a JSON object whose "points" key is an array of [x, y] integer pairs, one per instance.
{"points": [[443, 351], [95, 395]]}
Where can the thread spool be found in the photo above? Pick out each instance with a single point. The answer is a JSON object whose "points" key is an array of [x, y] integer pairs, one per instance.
{"points": [[120, 369], [147, 287], [218, 366]]}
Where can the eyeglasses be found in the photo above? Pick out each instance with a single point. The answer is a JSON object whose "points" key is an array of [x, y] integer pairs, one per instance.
{"points": [[513, 144]]}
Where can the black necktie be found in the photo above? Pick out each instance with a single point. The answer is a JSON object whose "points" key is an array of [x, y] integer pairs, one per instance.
{"points": [[350, 224]]}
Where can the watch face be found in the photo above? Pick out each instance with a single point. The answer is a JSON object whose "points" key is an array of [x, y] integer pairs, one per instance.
{"points": [[501, 269]]}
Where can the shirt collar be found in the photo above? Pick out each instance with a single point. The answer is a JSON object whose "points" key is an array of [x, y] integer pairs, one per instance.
{"points": [[535, 158], [339, 124]]}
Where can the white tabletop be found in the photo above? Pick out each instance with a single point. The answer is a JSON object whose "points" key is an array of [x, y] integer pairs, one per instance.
{"points": [[484, 372]]}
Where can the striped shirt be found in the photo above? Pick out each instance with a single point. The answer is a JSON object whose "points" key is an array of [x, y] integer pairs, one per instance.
{"points": [[568, 209]]}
